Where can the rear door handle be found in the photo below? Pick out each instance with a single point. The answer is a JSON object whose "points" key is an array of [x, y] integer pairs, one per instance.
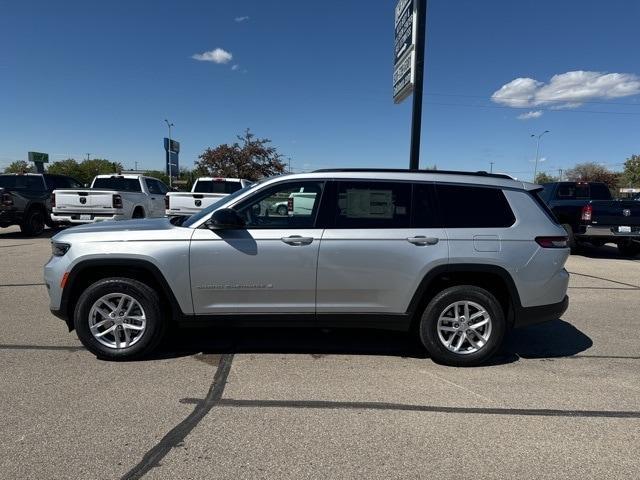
{"points": [[297, 240], [422, 240]]}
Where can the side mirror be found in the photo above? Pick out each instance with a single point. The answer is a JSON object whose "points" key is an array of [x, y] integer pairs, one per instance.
{"points": [[225, 219]]}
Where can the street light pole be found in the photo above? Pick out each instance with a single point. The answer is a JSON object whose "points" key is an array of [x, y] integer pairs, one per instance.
{"points": [[169, 164], [535, 168]]}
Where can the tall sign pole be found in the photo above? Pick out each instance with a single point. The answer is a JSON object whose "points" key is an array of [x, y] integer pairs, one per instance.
{"points": [[408, 72], [416, 118]]}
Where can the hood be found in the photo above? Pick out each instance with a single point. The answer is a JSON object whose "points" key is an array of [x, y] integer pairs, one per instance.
{"points": [[142, 224]]}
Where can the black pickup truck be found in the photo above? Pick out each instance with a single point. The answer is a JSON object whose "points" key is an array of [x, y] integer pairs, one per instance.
{"points": [[590, 215], [25, 199]]}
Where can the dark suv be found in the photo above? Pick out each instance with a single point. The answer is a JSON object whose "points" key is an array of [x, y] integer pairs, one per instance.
{"points": [[25, 199]]}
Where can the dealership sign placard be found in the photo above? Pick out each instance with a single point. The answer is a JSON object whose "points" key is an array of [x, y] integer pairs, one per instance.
{"points": [[404, 55]]}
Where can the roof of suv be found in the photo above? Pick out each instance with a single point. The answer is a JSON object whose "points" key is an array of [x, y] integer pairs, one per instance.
{"points": [[449, 176]]}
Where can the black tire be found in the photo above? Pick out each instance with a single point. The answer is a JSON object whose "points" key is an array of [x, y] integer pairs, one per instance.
{"points": [[629, 249], [138, 213], [33, 222], [571, 238], [282, 210], [156, 323], [437, 306]]}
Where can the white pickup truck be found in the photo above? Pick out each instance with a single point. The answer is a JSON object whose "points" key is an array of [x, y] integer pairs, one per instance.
{"points": [[110, 197], [204, 192]]}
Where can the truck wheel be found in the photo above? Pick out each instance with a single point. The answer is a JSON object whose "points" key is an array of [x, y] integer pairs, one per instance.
{"points": [[119, 319], [571, 238], [629, 249], [33, 223], [282, 210], [462, 326]]}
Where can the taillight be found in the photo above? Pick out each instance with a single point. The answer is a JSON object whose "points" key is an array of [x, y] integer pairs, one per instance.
{"points": [[290, 204], [53, 200], [6, 199], [552, 242], [117, 201], [166, 202], [587, 213]]}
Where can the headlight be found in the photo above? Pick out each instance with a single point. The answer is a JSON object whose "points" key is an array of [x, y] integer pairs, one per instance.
{"points": [[59, 249]]}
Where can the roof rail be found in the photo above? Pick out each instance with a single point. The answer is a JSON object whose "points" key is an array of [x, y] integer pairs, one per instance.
{"points": [[480, 173]]}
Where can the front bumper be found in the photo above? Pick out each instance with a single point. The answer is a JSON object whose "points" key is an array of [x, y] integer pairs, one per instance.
{"points": [[10, 217], [531, 315]]}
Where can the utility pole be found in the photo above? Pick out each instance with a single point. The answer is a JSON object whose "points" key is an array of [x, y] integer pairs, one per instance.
{"points": [[559, 174], [535, 169], [491, 167], [88, 155], [416, 119]]}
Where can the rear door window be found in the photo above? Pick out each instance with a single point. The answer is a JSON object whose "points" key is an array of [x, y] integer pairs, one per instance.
{"points": [[423, 207], [372, 205], [473, 207]]}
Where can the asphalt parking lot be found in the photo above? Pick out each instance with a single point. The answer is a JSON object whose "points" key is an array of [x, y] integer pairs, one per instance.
{"points": [[561, 401]]}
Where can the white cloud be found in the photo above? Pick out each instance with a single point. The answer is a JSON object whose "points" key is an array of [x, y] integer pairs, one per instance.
{"points": [[235, 67], [530, 115], [241, 19], [567, 90], [216, 56]]}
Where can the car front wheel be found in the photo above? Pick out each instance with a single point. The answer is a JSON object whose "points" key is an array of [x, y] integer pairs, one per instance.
{"points": [[462, 326], [119, 319]]}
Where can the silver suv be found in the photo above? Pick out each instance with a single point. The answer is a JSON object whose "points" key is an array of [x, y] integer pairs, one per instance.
{"points": [[459, 257]]}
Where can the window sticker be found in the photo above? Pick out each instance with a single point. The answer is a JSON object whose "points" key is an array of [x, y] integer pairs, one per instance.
{"points": [[369, 203]]}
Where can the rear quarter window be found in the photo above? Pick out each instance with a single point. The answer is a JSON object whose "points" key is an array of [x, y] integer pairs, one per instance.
{"points": [[473, 207]]}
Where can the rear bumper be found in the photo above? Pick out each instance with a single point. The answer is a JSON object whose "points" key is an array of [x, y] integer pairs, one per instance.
{"points": [[607, 232], [75, 217], [531, 315]]}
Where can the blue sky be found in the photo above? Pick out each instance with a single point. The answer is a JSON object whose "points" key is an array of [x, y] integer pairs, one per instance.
{"points": [[315, 77]]}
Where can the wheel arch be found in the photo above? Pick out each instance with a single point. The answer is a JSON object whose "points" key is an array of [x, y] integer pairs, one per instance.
{"points": [[493, 278], [87, 272]]}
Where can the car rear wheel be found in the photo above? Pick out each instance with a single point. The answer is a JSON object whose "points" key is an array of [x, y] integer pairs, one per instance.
{"points": [[282, 210], [33, 223], [119, 319], [462, 326]]}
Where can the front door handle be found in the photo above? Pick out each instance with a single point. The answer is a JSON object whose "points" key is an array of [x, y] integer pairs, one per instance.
{"points": [[422, 240], [297, 240]]}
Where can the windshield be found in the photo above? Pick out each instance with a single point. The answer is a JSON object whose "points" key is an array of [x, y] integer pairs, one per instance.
{"points": [[214, 206]]}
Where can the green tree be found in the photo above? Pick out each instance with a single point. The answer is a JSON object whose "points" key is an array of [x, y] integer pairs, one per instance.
{"points": [[85, 170], [67, 167], [543, 177], [631, 173], [592, 172], [19, 166], [253, 158]]}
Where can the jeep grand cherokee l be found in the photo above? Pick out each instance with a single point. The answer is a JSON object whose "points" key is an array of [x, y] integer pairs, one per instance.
{"points": [[459, 257]]}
